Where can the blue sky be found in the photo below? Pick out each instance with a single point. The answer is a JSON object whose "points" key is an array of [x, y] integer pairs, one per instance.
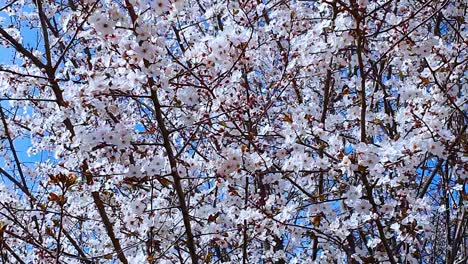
{"points": [[8, 56]]}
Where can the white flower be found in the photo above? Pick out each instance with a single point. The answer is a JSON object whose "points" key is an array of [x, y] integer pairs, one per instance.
{"points": [[363, 207], [188, 96], [425, 73], [395, 226], [102, 23], [134, 171], [435, 148], [387, 209], [138, 207], [353, 195], [346, 165], [231, 164], [145, 52], [144, 32], [161, 6], [155, 166], [281, 153], [392, 19], [97, 85], [179, 4]]}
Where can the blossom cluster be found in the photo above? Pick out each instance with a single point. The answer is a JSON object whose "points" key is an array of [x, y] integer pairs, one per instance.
{"points": [[199, 131]]}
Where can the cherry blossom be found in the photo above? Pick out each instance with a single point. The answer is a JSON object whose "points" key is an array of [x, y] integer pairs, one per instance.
{"points": [[198, 131]]}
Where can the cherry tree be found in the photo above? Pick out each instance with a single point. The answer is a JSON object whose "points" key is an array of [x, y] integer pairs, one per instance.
{"points": [[228, 131]]}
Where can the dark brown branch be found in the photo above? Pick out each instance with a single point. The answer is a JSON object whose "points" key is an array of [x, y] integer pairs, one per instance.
{"points": [[13, 150], [21, 49]]}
